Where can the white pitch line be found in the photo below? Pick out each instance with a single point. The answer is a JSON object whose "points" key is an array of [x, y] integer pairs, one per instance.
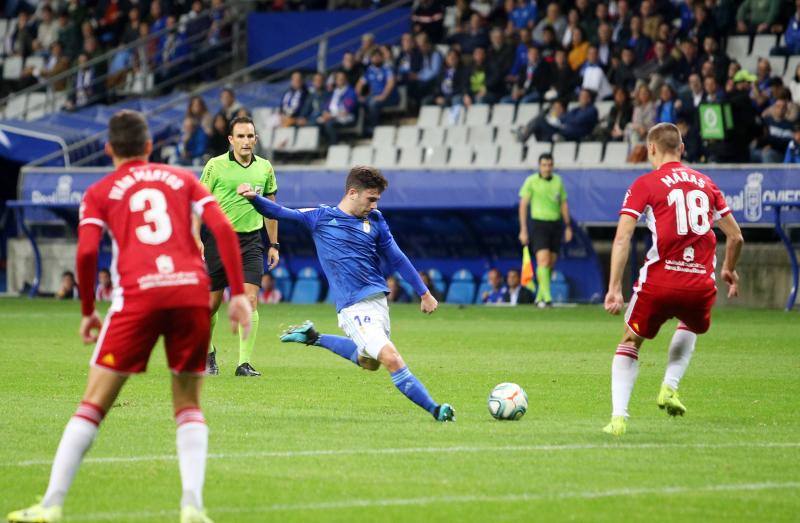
{"points": [[430, 500], [422, 450]]}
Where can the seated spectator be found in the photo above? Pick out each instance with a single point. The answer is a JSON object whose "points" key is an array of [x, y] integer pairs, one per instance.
{"points": [[499, 58], [293, 100], [228, 104], [497, 293], [520, 53], [553, 19], [578, 123], [47, 29], [666, 111], [605, 47], [638, 41], [704, 24], [131, 31], [793, 149], [120, 64], [473, 37], [689, 101], [532, 82], [791, 37], [658, 69], [573, 22], [269, 293], [778, 132], [197, 110], [643, 118], [409, 61], [426, 279], [794, 84], [340, 109], [364, 53], [612, 128], [711, 91], [55, 64], [451, 85], [759, 16], [594, 78], [516, 294], [735, 148], [693, 146], [68, 35], [218, 141], [578, 49], [380, 81], [315, 101], [545, 126], [173, 51], [564, 78], [427, 16], [193, 143], [718, 59], [523, 16], [422, 84], [548, 45], [397, 294], [68, 289], [622, 69], [621, 30], [20, 36], [477, 91], [84, 89], [105, 288], [687, 62], [650, 19]]}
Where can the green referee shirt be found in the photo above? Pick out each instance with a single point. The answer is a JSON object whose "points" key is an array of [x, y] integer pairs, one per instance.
{"points": [[223, 174], [545, 196]]}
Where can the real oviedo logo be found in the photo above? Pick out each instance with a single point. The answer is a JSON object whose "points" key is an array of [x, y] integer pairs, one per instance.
{"points": [[753, 197]]}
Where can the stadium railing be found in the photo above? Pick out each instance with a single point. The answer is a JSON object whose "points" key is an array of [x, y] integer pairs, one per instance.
{"points": [[778, 207]]}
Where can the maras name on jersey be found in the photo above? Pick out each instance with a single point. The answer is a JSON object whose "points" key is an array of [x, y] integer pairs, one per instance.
{"points": [[679, 176], [143, 175]]}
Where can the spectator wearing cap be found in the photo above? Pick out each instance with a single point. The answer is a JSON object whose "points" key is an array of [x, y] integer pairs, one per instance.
{"points": [[758, 16], [746, 123], [793, 149]]}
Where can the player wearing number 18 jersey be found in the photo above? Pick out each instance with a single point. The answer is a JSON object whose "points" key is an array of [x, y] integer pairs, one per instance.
{"points": [[160, 288], [681, 206]]}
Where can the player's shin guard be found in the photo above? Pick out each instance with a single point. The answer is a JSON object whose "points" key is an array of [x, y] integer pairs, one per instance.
{"points": [[192, 442], [246, 346], [624, 370], [543, 284], [414, 390], [680, 353], [344, 347], [77, 438]]}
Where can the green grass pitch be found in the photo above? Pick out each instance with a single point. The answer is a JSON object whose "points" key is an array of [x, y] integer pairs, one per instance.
{"points": [[317, 439]]}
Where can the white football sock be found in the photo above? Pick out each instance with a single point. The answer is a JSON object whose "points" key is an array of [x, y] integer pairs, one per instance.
{"points": [[624, 370], [680, 353], [78, 436], [192, 442]]}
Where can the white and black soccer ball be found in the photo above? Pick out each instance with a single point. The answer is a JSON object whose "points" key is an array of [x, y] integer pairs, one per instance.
{"points": [[508, 402]]}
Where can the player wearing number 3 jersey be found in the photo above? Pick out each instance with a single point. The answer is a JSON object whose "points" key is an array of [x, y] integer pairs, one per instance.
{"points": [[680, 206], [160, 288]]}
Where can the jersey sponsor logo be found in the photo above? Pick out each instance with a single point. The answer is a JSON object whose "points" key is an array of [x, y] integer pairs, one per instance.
{"points": [[175, 279], [259, 190], [108, 359], [688, 254], [165, 265], [684, 266]]}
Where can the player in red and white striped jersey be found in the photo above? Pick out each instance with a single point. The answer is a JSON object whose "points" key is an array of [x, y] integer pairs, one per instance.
{"points": [[677, 280], [160, 288]]}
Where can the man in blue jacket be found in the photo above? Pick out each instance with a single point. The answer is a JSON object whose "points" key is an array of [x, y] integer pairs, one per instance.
{"points": [[579, 122]]}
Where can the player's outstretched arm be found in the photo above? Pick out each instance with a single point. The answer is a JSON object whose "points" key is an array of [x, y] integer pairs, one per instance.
{"points": [[619, 257], [733, 248], [400, 262], [89, 236]]}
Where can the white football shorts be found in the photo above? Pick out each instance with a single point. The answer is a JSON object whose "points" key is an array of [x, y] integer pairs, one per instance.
{"points": [[367, 324]]}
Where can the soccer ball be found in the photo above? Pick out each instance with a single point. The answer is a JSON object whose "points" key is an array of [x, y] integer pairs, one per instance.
{"points": [[508, 401]]}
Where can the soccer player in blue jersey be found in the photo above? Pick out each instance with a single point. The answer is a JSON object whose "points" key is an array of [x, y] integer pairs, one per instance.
{"points": [[351, 240]]}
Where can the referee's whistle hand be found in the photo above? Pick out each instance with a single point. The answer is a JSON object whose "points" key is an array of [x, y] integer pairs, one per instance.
{"points": [[239, 313]]}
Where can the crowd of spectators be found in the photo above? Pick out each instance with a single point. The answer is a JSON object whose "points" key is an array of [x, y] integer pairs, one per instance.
{"points": [[68, 33], [657, 60]]}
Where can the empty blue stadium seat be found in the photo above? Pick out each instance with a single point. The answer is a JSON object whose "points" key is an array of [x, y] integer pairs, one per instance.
{"points": [[462, 288], [437, 279], [559, 288], [308, 287], [483, 287], [283, 281]]}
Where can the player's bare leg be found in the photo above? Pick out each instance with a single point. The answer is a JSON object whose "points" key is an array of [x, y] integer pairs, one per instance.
{"points": [[624, 371], [545, 261], [246, 345], [212, 369], [101, 391], [680, 353], [410, 386], [192, 444]]}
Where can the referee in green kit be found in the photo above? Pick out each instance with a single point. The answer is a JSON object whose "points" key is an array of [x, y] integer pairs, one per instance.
{"points": [[222, 175], [543, 196]]}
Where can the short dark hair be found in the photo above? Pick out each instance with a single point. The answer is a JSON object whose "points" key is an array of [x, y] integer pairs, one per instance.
{"points": [[362, 177], [128, 134], [238, 120], [545, 156]]}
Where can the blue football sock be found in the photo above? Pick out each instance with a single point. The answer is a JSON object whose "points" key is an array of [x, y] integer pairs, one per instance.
{"points": [[344, 347], [409, 385]]}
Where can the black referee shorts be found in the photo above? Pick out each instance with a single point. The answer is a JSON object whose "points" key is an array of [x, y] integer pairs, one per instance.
{"points": [[252, 259], [546, 235]]}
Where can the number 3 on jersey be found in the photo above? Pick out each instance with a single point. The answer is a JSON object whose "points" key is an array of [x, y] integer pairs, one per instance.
{"points": [[691, 211], [159, 227]]}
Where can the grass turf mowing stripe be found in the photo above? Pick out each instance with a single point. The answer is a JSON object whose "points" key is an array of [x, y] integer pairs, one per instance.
{"points": [[389, 502], [425, 450]]}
